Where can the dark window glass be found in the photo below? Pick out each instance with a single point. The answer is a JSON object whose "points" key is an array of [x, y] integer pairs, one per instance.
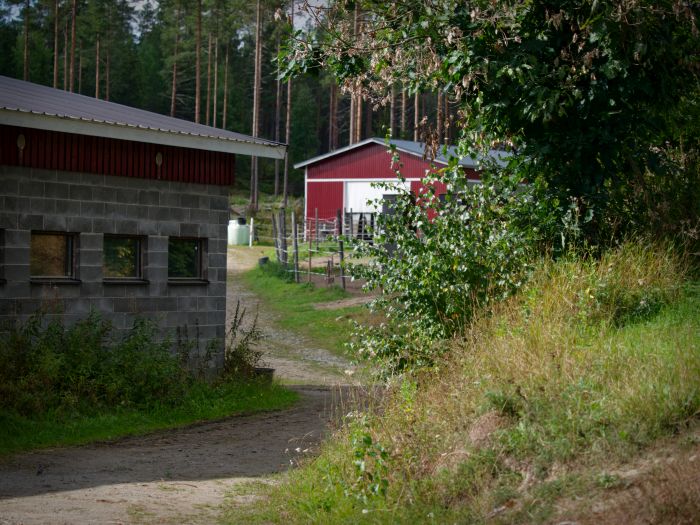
{"points": [[51, 255], [122, 257], [184, 258]]}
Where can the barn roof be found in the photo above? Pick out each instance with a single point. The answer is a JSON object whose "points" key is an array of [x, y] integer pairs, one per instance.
{"points": [[412, 148], [31, 105]]}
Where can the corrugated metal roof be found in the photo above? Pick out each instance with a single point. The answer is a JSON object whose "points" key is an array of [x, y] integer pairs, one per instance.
{"points": [[413, 148], [32, 105]]}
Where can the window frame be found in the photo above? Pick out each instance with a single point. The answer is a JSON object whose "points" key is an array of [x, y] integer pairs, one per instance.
{"points": [[139, 278], [72, 259], [201, 277]]}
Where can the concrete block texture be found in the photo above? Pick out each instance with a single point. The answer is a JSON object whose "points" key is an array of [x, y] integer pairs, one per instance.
{"points": [[94, 205]]}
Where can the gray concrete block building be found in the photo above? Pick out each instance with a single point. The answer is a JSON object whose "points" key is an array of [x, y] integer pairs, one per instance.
{"points": [[109, 208]]}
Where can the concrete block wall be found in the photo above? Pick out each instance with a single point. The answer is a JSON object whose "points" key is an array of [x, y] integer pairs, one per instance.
{"points": [[90, 206]]}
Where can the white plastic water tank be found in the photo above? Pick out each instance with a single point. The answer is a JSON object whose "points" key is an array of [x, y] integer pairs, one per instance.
{"points": [[238, 231]]}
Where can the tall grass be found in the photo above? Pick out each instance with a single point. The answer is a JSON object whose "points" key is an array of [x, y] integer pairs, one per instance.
{"points": [[593, 361]]}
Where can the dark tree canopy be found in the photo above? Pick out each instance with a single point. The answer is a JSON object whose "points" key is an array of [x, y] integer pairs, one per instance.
{"points": [[589, 92]]}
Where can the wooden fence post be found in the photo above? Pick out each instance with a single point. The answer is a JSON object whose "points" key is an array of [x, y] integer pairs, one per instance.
{"points": [[274, 236], [296, 246], [251, 235], [341, 252], [282, 227], [316, 228], [339, 223], [310, 250]]}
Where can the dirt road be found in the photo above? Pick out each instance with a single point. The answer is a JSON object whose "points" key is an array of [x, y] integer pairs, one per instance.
{"points": [[182, 476]]}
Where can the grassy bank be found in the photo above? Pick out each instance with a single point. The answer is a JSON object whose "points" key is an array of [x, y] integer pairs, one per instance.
{"points": [[329, 328], [531, 415]]}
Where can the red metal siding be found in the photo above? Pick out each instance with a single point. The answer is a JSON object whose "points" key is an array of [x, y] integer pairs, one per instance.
{"points": [[326, 196], [68, 152], [368, 162]]}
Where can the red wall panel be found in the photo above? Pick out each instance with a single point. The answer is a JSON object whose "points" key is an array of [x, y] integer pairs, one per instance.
{"points": [[326, 196], [368, 162], [68, 152]]}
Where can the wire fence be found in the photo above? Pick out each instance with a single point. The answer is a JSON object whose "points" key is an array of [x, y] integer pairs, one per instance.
{"points": [[313, 248]]}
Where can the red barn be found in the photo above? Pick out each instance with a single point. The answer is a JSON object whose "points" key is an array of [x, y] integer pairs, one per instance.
{"points": [[341, 180]]}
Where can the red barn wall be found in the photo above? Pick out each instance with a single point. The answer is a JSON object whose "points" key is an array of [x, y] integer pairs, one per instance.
{"points": [[368, 162], [103, 156], [327, 197]]}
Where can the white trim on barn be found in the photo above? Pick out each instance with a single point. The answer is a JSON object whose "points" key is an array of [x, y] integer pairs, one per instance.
{"points": [[366, 179]]}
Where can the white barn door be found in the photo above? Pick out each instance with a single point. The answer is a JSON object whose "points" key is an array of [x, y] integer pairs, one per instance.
{"points": [[363, 202], [357, 195]]}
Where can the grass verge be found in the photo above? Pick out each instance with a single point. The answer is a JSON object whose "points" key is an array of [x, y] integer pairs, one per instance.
{"points": [[203, 402], [328, 328], [543, 400]]}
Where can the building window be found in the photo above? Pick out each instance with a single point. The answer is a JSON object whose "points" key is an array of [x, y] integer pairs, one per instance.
{"points": [[122, 257], [185, 257], [52, 255]]}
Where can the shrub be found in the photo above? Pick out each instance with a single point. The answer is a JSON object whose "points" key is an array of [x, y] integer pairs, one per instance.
{"points": [[436, 263], [240, 357], [45, 365]]}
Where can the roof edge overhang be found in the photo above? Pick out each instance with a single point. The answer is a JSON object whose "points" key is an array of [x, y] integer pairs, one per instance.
{"points": [[116, 130], [372, 140], [339, 151]]}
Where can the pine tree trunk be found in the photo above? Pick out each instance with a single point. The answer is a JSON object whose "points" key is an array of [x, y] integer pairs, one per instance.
{"points": [[392, 113], [403, 113], [223, 118], [26, 40], [358, 117], [351, 131], [416, 112], [80, 67], [216, 79], [198, 59], [97, 67], [256, 102], [74, 12], [173, 88], [439, 124], [208, 109], [288, 129], [333, 121], [278, 118], [369, 113], [448, 120], [55, 44], [65, 56], [107, 64]]}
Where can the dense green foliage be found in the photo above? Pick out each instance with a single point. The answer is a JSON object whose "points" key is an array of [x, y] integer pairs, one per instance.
{"points": [[437, 262], [593, 96], [61, 385], [47, 366], [539, 399]]}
